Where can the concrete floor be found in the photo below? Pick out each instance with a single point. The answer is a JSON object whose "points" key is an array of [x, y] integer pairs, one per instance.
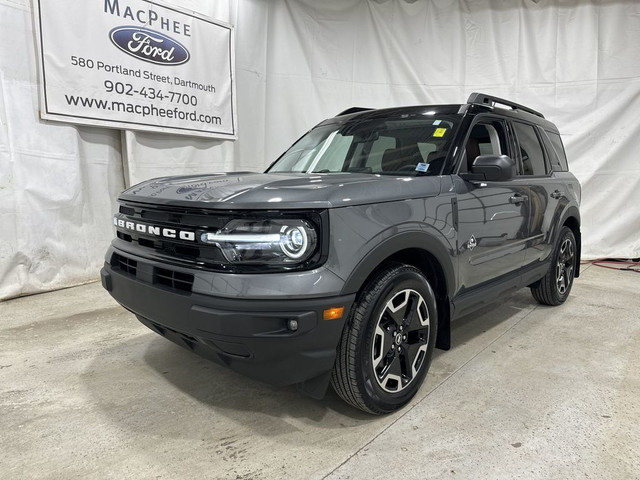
{"points": [[526, 392]]}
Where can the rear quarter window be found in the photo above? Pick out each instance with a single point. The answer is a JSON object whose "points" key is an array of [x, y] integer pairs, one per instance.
{"points": [[559, 160]]}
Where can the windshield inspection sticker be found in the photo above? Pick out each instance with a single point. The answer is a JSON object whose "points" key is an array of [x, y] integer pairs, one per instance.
{"points": [[437, 122], [422, 167], [439, 132]]}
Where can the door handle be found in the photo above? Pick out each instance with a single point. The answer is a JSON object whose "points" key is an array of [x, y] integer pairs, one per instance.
{"points": [[518, 199], [557, 194]]}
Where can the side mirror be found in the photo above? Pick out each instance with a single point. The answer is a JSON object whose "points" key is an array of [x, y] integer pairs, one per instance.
{"points": [[492, 168]]}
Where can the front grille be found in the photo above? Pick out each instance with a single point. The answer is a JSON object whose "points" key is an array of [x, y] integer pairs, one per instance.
{"points": [[175, 216], [124, 264], [143, 226], [184, 252], [144, 272], [174, 280]]}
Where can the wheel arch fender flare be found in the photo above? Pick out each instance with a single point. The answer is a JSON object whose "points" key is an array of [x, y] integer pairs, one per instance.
{"points": [[572, 212], [395, 244], [430, 244]]}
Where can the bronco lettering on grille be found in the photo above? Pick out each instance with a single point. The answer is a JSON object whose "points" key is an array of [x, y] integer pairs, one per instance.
{"points": [[155, 231]]}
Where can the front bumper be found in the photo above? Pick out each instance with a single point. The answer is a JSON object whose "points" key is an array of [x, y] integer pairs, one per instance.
{"points": [[250, 336]]}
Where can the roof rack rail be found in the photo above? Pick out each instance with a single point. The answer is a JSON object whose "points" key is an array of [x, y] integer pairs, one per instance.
{"points": [[354, 110], [489, 101]]}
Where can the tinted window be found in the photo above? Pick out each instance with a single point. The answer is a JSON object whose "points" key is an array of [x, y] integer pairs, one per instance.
{"points": [[486, 138], [531, 153], [381, 145], [550, 150], [558, 148], [415, 145]]}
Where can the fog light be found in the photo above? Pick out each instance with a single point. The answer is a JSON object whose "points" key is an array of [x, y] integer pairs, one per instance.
{"points": [[333, 313], [292, 325]]}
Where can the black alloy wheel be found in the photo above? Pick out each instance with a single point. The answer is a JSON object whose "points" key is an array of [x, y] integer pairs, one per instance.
{"points": [[554, 288], [400, 341], [565, 266], [388, 340]]}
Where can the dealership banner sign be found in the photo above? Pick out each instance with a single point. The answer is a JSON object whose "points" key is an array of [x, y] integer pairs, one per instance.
{"points": [[136, 64]]}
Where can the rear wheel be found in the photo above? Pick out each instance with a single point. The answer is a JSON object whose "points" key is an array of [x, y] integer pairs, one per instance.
{"points": [[386, 346], [554, 287]]}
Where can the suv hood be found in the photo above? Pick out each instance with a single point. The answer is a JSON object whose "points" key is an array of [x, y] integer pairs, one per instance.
{"points": [[245, 190]]}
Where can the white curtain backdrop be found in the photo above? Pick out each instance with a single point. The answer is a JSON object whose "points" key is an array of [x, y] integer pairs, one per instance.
{"points": [[298, 62]]}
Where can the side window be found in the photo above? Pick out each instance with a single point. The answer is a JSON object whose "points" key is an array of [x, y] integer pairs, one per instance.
{"points": [[558, 147], [486, 138], [531, 153]]}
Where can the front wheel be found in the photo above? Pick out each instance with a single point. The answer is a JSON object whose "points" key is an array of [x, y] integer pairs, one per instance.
{"points": [[387, 344], [554, 287]]}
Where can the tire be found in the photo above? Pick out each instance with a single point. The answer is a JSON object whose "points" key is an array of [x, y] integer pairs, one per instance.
{"points": [[554, 288], [388, 340]]}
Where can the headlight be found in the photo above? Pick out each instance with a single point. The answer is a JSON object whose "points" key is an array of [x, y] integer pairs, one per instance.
{"points": [[270, 241]]}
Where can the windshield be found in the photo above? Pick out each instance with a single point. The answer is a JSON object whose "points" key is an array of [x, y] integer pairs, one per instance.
{"points": [[400, 146]]}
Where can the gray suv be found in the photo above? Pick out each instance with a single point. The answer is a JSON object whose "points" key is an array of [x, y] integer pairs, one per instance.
{"points": [[346, 261]]}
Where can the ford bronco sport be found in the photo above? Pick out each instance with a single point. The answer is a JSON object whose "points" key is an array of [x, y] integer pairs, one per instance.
{"points": [[346, 261]]}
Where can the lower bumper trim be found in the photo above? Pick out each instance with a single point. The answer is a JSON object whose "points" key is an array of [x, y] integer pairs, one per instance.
{"points": [[249, 336]]}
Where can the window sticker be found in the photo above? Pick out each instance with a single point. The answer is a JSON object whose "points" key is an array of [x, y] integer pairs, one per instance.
{"points": [[437, 122], [439, 132], [422, 167]]}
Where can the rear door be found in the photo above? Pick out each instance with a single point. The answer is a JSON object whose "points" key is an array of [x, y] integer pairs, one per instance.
{"points": [[541, 167]]}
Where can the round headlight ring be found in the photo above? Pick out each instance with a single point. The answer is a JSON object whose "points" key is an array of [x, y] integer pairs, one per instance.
{"points": [[294, 241]]}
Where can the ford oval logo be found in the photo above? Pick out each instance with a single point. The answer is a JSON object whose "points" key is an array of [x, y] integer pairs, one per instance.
{"points": [[149, 45]]}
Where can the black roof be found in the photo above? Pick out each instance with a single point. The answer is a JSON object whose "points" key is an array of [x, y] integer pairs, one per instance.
{"points": [[477, 103]]}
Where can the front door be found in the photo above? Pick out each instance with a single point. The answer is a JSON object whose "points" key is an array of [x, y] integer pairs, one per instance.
{"points": [[493, 217]]}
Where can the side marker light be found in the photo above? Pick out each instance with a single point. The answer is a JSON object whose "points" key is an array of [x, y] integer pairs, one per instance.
{"points": [[333, 313]]}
